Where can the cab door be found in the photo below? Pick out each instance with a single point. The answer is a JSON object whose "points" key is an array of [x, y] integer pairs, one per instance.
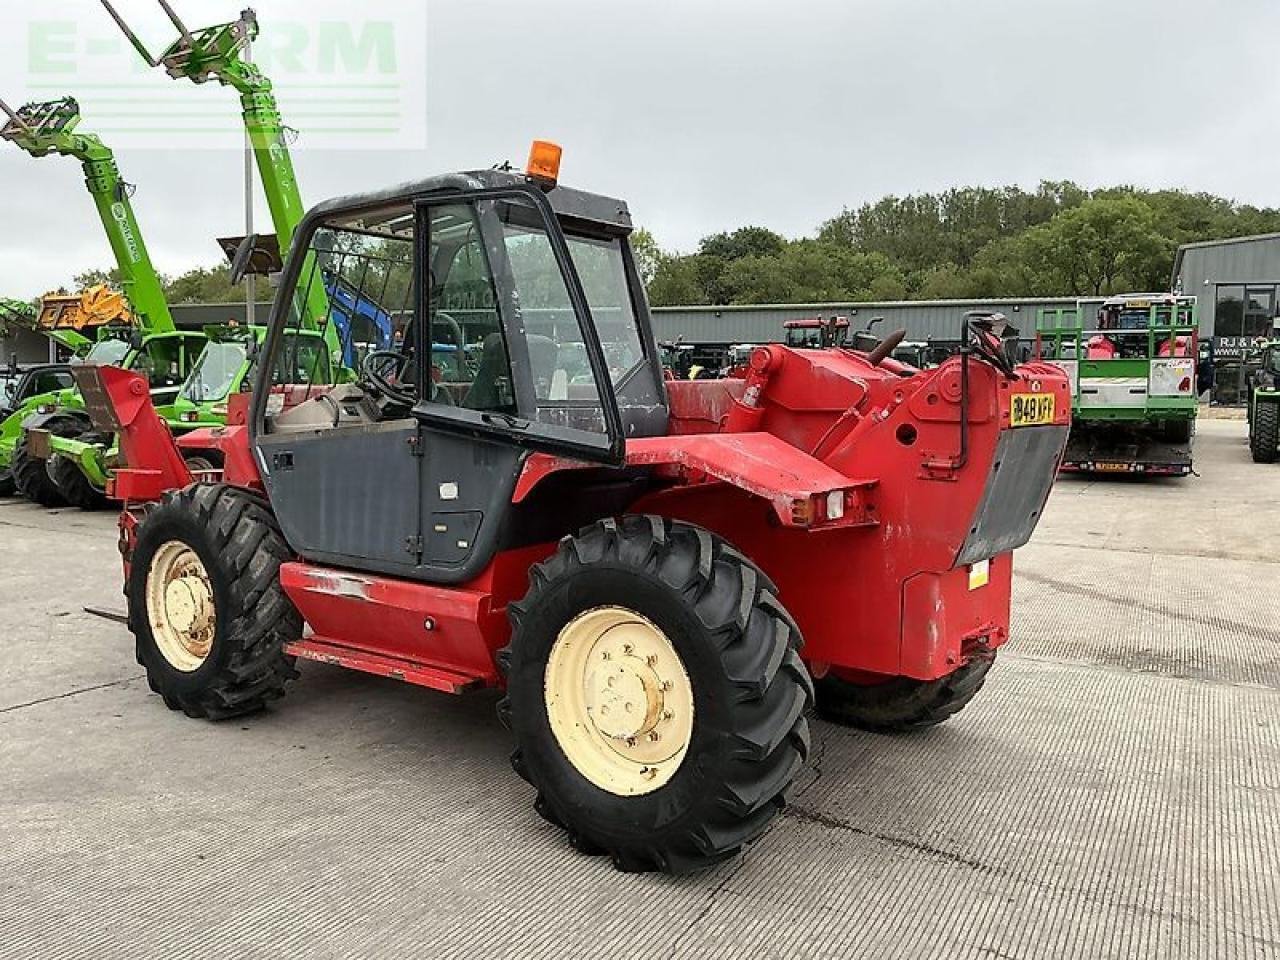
{"points": [[502, 357], [503, 289]]}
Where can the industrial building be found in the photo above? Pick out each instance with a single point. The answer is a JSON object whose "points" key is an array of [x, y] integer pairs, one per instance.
{"points": [[1235, 281]]}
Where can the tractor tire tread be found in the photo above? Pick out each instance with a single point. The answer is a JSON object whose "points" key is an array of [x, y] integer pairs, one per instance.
{"points": [[759, 645], [31, 475], [902, 705], [1264, 438], [247, 542]]}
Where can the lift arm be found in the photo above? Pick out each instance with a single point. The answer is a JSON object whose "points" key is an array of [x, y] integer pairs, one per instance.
{"points": [[16, 315], [48, 128], [217, 53]]}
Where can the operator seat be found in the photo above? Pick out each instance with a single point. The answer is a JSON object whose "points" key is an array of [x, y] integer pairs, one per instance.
{"points": [[483, 394]]}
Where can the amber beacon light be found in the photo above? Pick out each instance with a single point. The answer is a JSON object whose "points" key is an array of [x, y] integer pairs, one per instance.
{"points": [[544, 161]]}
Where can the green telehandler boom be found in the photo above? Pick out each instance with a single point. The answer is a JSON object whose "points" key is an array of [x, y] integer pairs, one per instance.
{"points": [[219, 53], [15, 315], [151, 343]]}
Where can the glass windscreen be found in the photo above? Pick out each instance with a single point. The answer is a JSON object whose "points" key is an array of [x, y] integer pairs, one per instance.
{"points": [[603, 273], [565, 390], [108, 353], [215, 373], [1271, 361]]}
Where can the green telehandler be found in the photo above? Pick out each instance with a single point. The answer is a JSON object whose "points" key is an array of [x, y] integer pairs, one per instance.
{"points": [[1264, 403], [67, 320], [152, 344]]}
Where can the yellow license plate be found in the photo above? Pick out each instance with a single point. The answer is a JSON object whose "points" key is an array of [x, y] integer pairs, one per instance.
{"points": [[1111, 467], [1031, 409]]}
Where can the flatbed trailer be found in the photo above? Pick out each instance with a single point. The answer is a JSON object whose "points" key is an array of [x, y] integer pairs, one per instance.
{"points": [[1131, 360]]}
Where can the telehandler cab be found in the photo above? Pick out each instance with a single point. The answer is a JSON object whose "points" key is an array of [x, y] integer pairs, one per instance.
{"points": [[634, 560]]}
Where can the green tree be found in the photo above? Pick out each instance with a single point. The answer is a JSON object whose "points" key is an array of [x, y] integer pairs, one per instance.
{"points": [[1104, 244], [744, 242]]}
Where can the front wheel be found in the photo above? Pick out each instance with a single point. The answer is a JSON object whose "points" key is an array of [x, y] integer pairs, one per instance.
{"points": [[31, 474], [206, 608], [900, 704], [1264, 438], [71, 482], [656, 694]]}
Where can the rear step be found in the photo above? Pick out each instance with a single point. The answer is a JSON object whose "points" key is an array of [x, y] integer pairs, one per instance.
{"points": [[419, 674]]}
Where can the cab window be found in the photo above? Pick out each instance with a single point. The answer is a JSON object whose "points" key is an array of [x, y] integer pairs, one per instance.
{"points": [[468, 360]]}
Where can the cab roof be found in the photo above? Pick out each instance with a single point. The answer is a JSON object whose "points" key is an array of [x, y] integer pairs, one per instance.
{"points": [[592, 209]]}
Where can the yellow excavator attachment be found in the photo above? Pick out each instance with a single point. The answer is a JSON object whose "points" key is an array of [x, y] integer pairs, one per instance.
{"points": [[98, 306]]}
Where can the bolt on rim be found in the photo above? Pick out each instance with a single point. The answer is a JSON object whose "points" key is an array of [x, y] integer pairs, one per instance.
{"points": [[619, 701], [180, 607]]}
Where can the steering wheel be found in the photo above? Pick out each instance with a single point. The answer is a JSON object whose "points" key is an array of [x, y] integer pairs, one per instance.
{"points": [[374, 374]]}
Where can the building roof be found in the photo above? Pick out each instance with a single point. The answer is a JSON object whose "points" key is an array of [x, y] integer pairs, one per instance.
{"points": [[1201, 244]]}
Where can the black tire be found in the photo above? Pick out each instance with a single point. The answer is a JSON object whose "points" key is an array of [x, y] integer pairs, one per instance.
{"points": [[31, 474], [1264, 438], [901, 704], [73, 484], [1178, 431], [739, 648], [7, 487], [203, 460], [236, 538]]}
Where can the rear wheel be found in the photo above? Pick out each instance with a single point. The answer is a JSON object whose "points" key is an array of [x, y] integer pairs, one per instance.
{"points": [[901, 704], [1178, 431], [656, 694], [206, 608], [1264, 438], [31, 474]]}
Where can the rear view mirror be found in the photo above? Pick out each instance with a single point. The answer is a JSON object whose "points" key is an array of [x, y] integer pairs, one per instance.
{"points": [[243, 259]]}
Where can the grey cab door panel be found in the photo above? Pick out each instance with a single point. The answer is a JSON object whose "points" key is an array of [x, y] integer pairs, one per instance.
{"points": [[466, 495], [348, 496]]}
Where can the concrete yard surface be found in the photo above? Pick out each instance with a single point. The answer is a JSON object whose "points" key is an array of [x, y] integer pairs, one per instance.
{"points": [[1114, 791]]}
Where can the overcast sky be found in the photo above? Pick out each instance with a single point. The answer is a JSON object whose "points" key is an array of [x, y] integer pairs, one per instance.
{"points": [[703, 115]]}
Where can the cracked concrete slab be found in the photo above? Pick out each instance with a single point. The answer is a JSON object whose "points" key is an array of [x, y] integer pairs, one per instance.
{"points": [[1113, 792]]}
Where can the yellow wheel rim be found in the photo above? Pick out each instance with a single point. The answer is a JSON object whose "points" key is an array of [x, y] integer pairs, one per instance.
{"points": [[619, 700], [180, 606]]}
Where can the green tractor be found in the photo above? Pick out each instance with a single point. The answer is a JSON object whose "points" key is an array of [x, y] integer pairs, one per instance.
{"points": [[152, 344], [1264, 404]]}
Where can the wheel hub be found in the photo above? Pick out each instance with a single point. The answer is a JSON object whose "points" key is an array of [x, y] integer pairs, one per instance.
{"points": [[619, 700], [180, 606]]}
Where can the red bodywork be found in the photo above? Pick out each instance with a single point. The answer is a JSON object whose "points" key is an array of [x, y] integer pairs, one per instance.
{"points": [[845, 482]]}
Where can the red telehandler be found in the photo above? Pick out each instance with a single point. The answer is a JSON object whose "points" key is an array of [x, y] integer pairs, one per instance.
{"points": [[634, 560]]}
